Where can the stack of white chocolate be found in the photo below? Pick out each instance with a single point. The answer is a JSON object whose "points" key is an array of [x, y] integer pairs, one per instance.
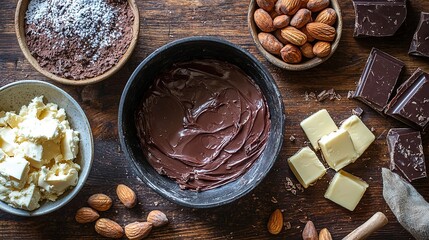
{"points": [[339, 147]]}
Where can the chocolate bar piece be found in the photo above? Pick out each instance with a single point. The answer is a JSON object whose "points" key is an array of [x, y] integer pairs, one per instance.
{"points": [[379, 18], [420, 44], [378, 79], [406, 153], [411, 103]]}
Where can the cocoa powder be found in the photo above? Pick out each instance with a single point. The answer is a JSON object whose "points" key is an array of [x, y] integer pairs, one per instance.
{"points": [[78, 39]]}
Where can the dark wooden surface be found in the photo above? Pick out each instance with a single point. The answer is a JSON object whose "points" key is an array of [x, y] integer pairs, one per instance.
{"points": [[163, 21]]}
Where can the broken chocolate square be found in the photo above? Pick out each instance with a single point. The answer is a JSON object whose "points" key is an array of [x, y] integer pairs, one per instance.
{"points": [[406, 153], [379, 18], [378, 79], [411, 103], [420, 44]]}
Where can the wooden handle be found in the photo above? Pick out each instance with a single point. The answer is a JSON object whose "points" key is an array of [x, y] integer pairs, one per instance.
{"points": [[377, 221]]}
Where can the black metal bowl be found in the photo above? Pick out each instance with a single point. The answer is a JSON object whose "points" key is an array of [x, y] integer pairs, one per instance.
{"points": [[185, 50]]}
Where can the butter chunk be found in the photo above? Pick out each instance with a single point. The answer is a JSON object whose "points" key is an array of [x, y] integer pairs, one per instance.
{"points": [[7, 140], [306, 166], [337, 149], [15, 168], [346, 190], [13, 120], [27, 198], [69, 144], [39, 130], [51, 150], [318, 125], [58, 179], [32, 152], [361, 136]]}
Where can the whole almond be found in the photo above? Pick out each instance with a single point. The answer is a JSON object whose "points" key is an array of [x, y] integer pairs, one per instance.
{"points": [[278, 35], [294, 36], [138, 230], [281, 21], [275, 222], [291, 54], [267, 5], [324, 234], [157, 218], [108, 228], [322, 49], [302, 17], [288, 7], [327, 16], [263, 20], [317, 5], [309, 37], [321, 31], [86, 215], [270, 43], [100, 202], [309, 232], [307, 50], [126, 195]]}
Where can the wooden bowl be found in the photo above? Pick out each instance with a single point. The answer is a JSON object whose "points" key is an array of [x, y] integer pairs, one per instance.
{"points": [[306, 64], [20, 34]]}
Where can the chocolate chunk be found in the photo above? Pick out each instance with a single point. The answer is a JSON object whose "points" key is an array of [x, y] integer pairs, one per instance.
{"points": [[379, 18], [411, 103], [420, 44], [378, 79], [406, 153]]}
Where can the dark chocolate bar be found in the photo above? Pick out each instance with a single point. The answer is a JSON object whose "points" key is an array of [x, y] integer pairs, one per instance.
{"points": [[379, 18], [420, 44], [411, 103], [378, 79], [406, 153]]}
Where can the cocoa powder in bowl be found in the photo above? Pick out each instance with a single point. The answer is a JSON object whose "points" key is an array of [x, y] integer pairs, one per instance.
{"points": [[78, 39]]}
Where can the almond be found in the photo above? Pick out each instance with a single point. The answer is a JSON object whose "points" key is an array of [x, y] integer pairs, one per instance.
{"points": [[157, 218], [281, 21], [324, 234], [309, 37], [317, 5], [275, 223], [270, 43], [263, 20], [108, 228], [86, 215], [273, 14], [267, 5], [278, 34], [291, 54], [304, 3], [327, 16], [294, 36], [302, 17], [138, 230], [321, 31], [322, 49], [126, 195], [307, 50], [309, 232], [288, 7], [100, 202]]}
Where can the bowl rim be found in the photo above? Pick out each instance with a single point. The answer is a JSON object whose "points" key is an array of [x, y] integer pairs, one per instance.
{"points": [[127, 150], [20, 35], [289, 66], [83, 176]]}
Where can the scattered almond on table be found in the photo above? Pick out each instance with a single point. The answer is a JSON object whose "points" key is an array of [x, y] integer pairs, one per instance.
{"points": [[289, 31]]}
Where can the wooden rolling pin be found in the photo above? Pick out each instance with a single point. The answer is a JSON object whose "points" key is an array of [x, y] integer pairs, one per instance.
{"points": [[377, 221]]}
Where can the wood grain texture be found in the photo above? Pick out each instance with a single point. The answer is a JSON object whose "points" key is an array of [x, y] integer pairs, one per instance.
{"points": [[167, 20]]}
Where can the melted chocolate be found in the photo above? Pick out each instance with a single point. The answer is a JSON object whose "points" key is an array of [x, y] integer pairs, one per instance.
{"points": [[203, 123]]}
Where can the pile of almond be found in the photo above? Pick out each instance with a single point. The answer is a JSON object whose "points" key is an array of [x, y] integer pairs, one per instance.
{"points": [[288, 29], [111, 229]]}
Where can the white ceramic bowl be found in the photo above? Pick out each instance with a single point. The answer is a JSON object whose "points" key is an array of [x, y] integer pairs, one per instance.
{"points": [[17, 94]]}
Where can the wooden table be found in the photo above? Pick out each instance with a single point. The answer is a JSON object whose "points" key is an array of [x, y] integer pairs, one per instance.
{"points": [[168, 20]]}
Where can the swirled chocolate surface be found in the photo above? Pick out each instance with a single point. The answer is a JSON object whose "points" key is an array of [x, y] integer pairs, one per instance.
{"points": [[203, 123]]}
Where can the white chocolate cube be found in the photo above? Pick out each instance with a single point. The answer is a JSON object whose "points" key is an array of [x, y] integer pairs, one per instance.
{"points": [[346, 190], [318, 125], [361, 136], [306, 166], [337, 149]]}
